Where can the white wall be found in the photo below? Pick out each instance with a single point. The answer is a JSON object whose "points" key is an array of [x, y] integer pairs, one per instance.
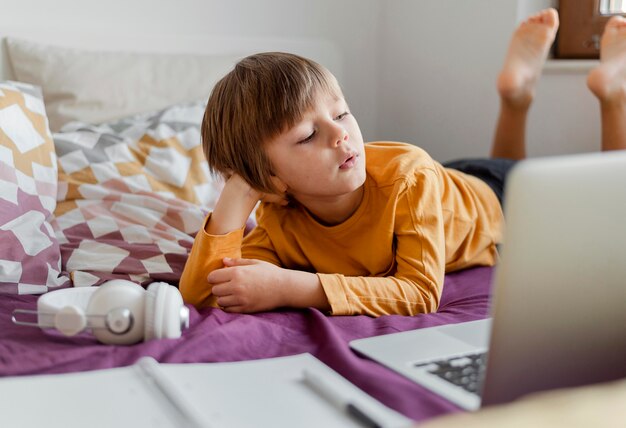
{"points": [[439, 65]]}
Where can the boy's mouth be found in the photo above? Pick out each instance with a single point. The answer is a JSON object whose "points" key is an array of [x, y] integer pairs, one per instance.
{"points": [[349, 162]]}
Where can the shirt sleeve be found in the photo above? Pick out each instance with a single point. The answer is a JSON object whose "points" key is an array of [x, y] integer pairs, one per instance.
{"points": [[258, 245], [207, 254], [416, 283]]}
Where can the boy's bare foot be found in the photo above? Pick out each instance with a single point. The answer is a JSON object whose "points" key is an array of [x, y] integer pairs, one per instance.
{"points": [[608, 80], [527, 53]]}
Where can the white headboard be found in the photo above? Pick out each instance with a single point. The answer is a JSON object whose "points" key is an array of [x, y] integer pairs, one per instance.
{"points": [[72, 84], [239, 27], [322, 51]]}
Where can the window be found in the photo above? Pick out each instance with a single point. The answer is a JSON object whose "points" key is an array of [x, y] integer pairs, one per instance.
{"points": [[610, 7], [582, 23]]}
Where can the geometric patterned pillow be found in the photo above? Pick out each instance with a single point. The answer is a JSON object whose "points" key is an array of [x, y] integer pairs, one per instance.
{"points": [[132, 194], [158, 152], [30, 258]]}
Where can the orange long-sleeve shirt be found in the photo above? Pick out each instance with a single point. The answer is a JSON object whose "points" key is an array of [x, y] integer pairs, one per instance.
{"points": [[417, 221]]}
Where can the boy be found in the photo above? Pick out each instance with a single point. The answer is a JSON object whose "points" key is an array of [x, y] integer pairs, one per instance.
{"points": [[350, 228]]}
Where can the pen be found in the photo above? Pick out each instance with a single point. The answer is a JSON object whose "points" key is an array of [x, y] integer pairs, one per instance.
{"points": [[327, 391], [149, 368]]}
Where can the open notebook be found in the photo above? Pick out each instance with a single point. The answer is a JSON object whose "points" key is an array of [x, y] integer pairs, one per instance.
{"points": [[259, 393]]}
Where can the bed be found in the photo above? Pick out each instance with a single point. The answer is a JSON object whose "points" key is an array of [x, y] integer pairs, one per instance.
{"points": [[108, 181]]}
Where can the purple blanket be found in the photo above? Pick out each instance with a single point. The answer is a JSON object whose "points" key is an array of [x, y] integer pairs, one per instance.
{"points": [[218, 336]]}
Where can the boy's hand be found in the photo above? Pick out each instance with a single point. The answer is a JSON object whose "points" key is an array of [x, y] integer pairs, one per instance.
{"points": [[239, 183], [246, 285], [236, 202], [276, 198]]}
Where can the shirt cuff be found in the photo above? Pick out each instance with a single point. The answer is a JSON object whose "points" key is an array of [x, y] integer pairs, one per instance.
{"points": [[335, 293], [220, 244]]}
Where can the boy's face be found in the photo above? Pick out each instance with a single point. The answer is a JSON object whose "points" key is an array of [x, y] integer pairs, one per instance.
{"points": [[321, 157]]}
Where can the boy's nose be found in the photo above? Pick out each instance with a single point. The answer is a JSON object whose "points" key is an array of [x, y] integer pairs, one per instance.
{"points": [[342, 137]]}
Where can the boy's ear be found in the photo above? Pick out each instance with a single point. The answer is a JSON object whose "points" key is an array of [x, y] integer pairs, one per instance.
{"points": [[279, 184]]}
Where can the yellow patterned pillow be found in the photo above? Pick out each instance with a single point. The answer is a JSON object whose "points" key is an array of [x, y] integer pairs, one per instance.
{"points": [[156, 152], [30, 260], [131, 195]]}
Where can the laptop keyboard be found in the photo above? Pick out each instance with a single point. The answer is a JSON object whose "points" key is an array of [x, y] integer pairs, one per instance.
{"points": [[465, 371]]}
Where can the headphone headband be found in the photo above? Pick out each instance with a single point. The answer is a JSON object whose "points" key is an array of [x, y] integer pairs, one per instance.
{"points": [[49, 304]]}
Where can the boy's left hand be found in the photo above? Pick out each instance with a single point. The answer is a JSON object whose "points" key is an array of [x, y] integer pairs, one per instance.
{"points": [[247, 285]]}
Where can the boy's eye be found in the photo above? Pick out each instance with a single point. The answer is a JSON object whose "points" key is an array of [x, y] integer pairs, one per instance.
{"points": [[342, 115], [307, 139]]}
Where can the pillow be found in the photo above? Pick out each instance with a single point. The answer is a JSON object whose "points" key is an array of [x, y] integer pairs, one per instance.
{"points": [[132, 194], [30, 259], [96, 87]]}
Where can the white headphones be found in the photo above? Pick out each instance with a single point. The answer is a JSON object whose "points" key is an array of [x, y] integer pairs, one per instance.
{"points": [[117, 312]]}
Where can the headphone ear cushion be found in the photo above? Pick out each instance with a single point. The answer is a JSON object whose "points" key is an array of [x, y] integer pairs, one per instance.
{"points": [[150, 310], [113, 295], [163, 311], [173, 319]]}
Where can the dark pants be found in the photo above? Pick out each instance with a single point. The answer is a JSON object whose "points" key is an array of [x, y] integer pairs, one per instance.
{"points": [[492, 171]]}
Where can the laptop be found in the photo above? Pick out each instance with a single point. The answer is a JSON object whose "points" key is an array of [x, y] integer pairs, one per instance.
{"points": [[558, 315]]}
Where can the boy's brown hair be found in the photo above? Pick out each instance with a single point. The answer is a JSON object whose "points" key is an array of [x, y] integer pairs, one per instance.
{"points": [[264, 95]]}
